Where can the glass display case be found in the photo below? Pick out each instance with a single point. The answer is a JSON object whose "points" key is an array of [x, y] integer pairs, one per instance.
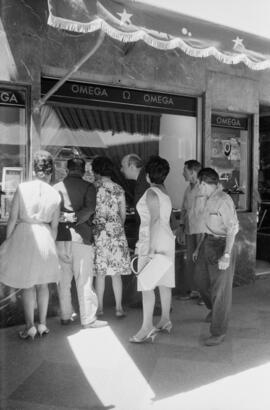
{"points": [[13, 147], [230, 156]]}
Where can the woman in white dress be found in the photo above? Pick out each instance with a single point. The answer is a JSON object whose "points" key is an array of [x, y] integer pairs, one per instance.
{"points": [[155, 236], [28, 257]]}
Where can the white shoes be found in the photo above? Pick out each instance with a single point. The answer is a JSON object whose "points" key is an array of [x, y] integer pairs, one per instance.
{"points": [[42, 330]]}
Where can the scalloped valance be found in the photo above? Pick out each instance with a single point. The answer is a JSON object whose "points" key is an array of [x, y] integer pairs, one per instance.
{"points": [[130, 21]]}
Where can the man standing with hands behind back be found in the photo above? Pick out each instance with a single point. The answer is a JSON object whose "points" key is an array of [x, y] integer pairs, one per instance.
{"points": [[74, 245]]}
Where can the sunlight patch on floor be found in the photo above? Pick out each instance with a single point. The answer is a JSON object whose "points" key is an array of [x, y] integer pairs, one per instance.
{"points": [[248, 390], [110, 370]]}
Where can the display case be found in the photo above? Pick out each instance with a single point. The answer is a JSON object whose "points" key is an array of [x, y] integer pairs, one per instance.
{"points": [[230, 156], [14, 145]]}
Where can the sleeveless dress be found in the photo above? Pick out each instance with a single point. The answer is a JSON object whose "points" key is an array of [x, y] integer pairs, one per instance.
{"points": [[166, 238], [28, 257], [111, 247]]}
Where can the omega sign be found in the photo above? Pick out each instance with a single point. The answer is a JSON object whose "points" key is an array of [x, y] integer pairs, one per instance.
{"points": [[8, 97], [91, 94], [229, 122], [89, 90], [158, 99], [96, 91]]}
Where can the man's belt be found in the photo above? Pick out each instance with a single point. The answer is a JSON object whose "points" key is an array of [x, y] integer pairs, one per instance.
{"points": [[211, 236]]}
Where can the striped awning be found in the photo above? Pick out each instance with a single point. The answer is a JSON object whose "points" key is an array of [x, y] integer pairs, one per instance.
{"points": [[131, 21]]}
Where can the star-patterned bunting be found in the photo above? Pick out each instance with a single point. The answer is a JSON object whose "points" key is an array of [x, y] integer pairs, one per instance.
{"points": [[238, 43], [125, 17]]}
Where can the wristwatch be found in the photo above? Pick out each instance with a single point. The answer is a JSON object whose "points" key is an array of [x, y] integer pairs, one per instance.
{"points": [[227, 255]]}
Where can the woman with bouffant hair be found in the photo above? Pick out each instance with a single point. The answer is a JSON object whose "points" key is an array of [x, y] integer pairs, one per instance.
{"points": [[112, 253], [28, 258], [155, 237]]}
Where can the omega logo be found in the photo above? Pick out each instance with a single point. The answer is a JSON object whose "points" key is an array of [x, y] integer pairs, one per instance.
{"points": [[126, 95], [158, 99], [89, 90], [227, 121], [8, 97]]}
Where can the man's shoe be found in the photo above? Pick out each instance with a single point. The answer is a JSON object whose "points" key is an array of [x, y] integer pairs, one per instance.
{"points": [[200, 302], [214, 340], [208, 318], [194, 294], [96, 324], [183, 298], [65, 322]]}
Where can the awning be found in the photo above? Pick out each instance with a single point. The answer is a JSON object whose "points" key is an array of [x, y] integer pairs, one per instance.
{"points": [[130, 21]]}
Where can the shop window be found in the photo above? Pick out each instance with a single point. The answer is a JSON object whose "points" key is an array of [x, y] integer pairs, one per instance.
{"points": [[13, 150], [230, 156], [89, 132], [264, 146]]}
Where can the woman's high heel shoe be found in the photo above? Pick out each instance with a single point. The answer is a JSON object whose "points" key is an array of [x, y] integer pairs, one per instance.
{"points": [[146, 339], [100, 312], [166, 328], [26, 333], [120, 314], [42, 330]]}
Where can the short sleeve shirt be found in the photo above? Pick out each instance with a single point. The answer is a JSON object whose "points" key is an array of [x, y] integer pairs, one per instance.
{"points": [[220, 217], [192, 210]]}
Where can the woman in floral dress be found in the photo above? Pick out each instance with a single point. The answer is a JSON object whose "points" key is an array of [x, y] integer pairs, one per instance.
{"points": [[111, 248]]}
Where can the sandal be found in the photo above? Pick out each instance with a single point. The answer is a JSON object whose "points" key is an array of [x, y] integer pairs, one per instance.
{"points": [[100, 312], [42, 330], [120, 314], [26, 333]]}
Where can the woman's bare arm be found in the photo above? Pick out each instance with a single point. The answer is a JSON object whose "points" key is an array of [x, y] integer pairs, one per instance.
{"points": [[122, 208], [55, 221], [153, 205]]}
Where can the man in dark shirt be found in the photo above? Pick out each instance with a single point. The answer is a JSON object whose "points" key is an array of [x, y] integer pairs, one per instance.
{"points": [[74, 244]]}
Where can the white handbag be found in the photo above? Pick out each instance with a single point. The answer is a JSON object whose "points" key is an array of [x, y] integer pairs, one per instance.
{"points": [[153, 271]]}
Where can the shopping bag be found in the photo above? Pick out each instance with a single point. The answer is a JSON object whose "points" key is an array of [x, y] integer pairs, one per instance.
{"points": [[149, 276]]}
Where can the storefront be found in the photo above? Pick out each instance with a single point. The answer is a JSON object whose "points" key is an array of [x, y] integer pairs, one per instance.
{"points": [[96, 119], [14, 143], [146, 90]]}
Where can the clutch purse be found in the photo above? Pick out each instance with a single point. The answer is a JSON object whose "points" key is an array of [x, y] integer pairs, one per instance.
{"points": [[151, 273]]}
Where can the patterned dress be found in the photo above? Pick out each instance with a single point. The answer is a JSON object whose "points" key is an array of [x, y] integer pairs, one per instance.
{"points": [[111, 248]]}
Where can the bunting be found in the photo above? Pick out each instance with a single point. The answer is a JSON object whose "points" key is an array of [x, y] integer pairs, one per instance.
{"points": [[131, 21]]}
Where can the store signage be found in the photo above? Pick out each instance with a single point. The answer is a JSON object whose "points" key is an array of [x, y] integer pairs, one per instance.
{"points": [[12, 97], [229, 122], [94, 94]]}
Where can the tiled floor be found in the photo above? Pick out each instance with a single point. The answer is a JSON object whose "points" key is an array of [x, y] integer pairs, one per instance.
{"points": [[99, 369]]}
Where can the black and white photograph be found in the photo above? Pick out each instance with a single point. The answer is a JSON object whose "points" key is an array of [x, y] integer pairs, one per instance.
{"points": [[134, 205]]}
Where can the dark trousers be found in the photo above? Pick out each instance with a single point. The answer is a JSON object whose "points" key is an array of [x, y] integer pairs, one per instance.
{"points": [[191, 245], [215, 285]]}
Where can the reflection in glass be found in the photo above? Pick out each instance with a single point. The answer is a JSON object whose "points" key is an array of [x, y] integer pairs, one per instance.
{"points": [[115, 133]]}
